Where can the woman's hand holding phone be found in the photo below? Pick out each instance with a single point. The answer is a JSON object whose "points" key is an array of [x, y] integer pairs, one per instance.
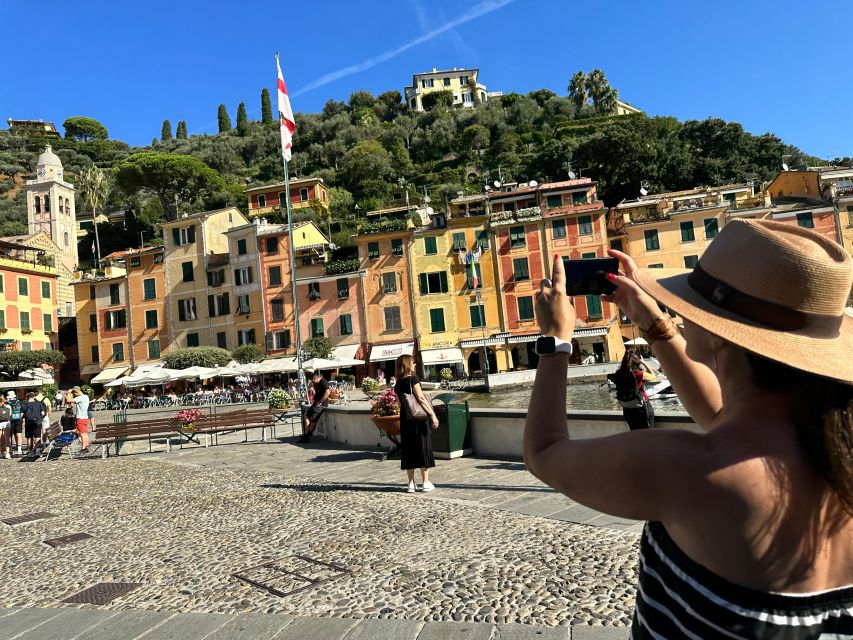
{"points": [[554, 311]]}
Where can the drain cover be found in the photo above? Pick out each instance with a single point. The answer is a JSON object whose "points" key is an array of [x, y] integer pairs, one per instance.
{"points": [[102, 593], [27, 517], [63, 540], [290, 575]]}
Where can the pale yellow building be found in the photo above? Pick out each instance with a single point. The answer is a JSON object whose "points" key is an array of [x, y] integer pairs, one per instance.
{"points": [[462, 83]]}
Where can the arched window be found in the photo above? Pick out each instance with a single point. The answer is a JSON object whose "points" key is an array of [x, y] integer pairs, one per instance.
{"points": [[38, 204], [47, 204], [67, 206], [60, 206], [66, 239]]}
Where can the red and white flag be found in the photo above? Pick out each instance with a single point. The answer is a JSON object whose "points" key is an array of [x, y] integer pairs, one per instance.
{"points": [[285, 114]]}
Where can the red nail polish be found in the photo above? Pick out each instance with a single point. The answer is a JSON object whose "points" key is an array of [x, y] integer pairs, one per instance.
{"points": [[611, 276], [556, 257]]}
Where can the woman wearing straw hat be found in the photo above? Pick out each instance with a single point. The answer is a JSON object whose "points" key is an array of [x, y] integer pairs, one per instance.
{"points": [[750, 523]]}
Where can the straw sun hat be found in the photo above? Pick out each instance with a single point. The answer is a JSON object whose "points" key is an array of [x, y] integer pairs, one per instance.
{"points": [[773, 288]]}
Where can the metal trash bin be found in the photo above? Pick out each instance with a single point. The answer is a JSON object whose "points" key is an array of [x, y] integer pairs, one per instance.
{"points": [[452, 439]]}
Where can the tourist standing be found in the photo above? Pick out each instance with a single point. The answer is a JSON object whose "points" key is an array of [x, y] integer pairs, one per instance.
{"points": [[45, 421], [58, 400], [750, 523], [33, 411], [319, 401], [16, 421], [630, 379], [415, 434], [80, 402], [5, 439]]}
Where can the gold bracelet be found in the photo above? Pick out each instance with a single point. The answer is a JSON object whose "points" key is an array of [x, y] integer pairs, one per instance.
{"points": [[662, 328]]}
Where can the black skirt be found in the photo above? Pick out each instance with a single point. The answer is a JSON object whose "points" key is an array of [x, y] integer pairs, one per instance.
{"points": [[416, 445]]}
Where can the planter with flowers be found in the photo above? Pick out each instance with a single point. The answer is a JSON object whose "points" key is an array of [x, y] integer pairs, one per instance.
{"points": [[280, 399], [188, 419], [385, 411]]}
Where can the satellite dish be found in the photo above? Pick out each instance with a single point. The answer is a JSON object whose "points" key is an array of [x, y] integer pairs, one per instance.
{"points": [[785, 167], [532, 183], [643, 191], [427, 199], [487, 188], [430, 211], [572, 175], [332, 246], [497, 184]]}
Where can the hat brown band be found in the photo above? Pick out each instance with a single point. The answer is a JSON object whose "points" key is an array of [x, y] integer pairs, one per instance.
{"points": [[769, 314]]}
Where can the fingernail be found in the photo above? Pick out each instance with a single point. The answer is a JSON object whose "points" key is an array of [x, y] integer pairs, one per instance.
{"points": [[611, 276], [556, 257]]}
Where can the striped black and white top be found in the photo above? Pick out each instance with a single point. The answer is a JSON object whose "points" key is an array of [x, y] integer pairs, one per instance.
{"points": [[678, 598]]}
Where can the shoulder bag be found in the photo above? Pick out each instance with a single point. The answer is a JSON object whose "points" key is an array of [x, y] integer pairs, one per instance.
{"points": [[414, 410]]}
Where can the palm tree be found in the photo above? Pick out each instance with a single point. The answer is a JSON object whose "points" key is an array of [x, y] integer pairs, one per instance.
{"points": [[578, 89], [603, 95], [93, 187]]}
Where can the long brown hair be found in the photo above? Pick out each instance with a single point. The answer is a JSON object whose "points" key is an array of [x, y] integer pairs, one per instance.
{"points": [[404, 366], [824, 413]]}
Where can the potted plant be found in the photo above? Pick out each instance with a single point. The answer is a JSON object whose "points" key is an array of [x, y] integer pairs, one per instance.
{"points": [[280, 399], [188, 418], [446, 374], [369, 385], [385, 411]]}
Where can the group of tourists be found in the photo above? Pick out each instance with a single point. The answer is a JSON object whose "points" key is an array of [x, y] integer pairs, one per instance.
{"points": [[30, 419]]}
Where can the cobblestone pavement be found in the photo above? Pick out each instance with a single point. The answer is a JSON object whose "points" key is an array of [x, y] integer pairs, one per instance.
{"points": [[182, 530]]}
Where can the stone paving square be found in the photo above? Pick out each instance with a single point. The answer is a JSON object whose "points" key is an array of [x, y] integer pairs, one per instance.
{"points": [[385, 630], [255, 626], [24, 620], [191, 626], [319, 629], [126, 624], [70, 624]]}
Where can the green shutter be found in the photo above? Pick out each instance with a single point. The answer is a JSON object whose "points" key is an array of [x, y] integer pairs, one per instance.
{"points": [[436, 320], [176, 237], [593, 306], [268, 341], [191, 234], [442, 276], [422, 279]]}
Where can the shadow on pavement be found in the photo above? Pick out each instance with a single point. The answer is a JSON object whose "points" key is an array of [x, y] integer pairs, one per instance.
{"points": [[383, 487]]}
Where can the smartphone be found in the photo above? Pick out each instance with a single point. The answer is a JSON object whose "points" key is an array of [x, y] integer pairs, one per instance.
{"points": [[589, 277]]}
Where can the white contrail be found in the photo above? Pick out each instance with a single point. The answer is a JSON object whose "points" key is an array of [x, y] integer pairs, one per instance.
{"points": [[473, 13]]}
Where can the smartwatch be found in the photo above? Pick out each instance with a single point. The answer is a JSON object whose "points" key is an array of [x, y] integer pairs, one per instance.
{"points": [[549, 345]]}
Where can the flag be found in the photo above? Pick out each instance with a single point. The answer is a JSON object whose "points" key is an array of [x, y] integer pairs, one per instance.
{"points": [[285, 114], [472, 270]]}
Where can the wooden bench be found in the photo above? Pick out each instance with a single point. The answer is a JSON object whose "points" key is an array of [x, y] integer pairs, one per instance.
{"points": [[118, 433], [225, 421]]}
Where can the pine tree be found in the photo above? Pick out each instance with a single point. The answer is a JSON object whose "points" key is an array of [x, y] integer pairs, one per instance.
{"points": [[224, 120], [166, 131], [266, 107], [242, 119], [181, 131]]}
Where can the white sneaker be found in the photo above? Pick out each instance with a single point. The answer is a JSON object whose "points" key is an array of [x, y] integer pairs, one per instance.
{"points": [[7, 455], [428, 486], [411, 487]]}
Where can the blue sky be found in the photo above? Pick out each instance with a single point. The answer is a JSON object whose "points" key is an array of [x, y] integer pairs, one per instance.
{"points": [[773, 66]]}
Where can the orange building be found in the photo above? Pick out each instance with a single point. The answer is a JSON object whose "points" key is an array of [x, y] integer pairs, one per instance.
{"points": [[102, 335], [304, 192], [28, 288]]}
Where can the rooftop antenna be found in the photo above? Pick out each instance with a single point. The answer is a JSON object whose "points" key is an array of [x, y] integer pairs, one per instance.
{"points": [[572, 175], [785, 164]]}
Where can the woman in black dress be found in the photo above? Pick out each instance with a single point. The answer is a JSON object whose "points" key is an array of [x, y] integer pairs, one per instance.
{"points": [[415, 438]]}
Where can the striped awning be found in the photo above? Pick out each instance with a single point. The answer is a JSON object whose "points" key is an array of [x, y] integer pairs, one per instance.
{"points": [[467, 344], [108, 375]]}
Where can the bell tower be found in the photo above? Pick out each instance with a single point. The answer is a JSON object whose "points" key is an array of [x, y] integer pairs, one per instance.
{"points": [[51, 207]]}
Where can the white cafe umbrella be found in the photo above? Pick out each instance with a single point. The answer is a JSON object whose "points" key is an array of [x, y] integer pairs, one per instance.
{"points": [[201, 373], [318, 364], [636, 342]]}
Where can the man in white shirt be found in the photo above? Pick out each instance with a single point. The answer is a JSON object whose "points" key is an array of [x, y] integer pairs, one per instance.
{"points": [[80, 402]]}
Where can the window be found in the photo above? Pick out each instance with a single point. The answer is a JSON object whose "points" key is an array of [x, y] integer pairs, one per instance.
{"points": [[153, 349], [346, 324], [277, 309], [373, 250], [184, 235], [2, 319], [467, 97], [45, 290], [585, 225], [275, 276], [245, 336], [95, 356], [242, 276], [26, 346], [135, 262], [241, 247], [459, 242], [343, 289], [469, 279], [282, 339], [313, 290], [303, 194], [389, 282], [656, 265], [47, 319], [435, 282], [222, 340], [652, 241], [271, 246], [463, 79], [187, 269], [578, 198], [617, 245], [478, 316], [711, 228], [554, 202], [392, 319], [687, 232], [93, 323], [690, 261], [192, 340], [243, 305], [115, 295], [92, 295], [730, 197], [436, 320], [520, 270], [262, 201], [61, 208], [38, 204], [447, 82], [23, 287], [426, 84], [558, 229], [317, 329], [516, 237], [216, 278], [849, 224], [397, 247], [430, 246], [218, 305], [67, 206], [115, 319], [158, 259], [2, 284], [805, 219], [525, 308], [151, 319], [118, 352], [593, 307], [186, 309], [149, 289], [47, 204], [66, 239], [483, 240], [282, 199]]}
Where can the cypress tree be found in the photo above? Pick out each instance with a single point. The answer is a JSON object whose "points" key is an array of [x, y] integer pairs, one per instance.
{"points": [[181, 131], [266, 107], [224, 120], [242, 119], [166, 131]]}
